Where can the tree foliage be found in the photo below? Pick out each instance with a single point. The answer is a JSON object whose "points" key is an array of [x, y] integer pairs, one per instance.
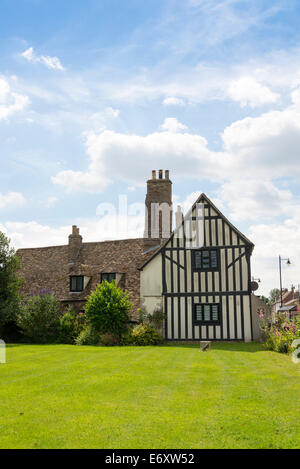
{"points": [[273, 295], [107, 309], [265, 299], [39, 318], [70, 326], [10, 282]]}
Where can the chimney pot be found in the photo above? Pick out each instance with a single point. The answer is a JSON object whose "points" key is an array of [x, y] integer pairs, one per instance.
{"points": [[160, 174], [154, 174], [167, 174]]}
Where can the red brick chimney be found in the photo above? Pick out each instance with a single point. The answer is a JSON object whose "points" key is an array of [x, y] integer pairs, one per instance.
{"points": [[158, 207], [75, 243]]}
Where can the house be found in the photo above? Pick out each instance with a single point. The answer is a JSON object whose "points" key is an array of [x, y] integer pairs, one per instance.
{"points": [[199, 274], [290, 303]]}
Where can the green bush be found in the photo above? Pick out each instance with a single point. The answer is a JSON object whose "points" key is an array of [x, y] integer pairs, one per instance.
{"points": [[39, 318], [281, 334], [126, 338], [107, 309], [277, 344], [143, 315], [108, 340], [156, 318], [10, 283], [88, 336], [70, 326], [143, 334]]}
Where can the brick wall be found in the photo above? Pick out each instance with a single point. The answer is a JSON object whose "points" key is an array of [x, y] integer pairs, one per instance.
{"points": [[50, 269]]}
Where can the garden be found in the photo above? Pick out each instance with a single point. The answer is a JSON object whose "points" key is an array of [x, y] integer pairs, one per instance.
{"points": [[236, 395], [282, 334], [94, 379], [105, 321]]}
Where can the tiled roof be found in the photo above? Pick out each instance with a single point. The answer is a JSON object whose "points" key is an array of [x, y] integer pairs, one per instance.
{"points": [[49, 267]]}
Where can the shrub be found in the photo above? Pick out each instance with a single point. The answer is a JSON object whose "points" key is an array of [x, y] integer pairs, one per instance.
{"points": [[143, 315], [108, 340], [126, 338], [280, 335], [156, 318], [10, 283], [39, 318], [88, 336], [143, 334], [70, 326], [107, 309]]}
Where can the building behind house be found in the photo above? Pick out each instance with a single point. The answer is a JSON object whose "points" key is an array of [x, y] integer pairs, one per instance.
{"points": [[290, 303]]}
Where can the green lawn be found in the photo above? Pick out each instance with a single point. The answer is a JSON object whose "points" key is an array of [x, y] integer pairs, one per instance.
{"points": [[64, 396]]}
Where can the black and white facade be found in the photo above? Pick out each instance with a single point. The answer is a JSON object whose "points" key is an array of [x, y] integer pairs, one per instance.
{"points": [[201, 277]]}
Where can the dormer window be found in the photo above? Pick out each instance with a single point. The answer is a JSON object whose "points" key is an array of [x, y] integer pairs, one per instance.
{"points": [[108, 277], [76, 283]]}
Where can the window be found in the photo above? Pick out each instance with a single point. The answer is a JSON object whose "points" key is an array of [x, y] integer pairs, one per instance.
{"points": [[207, 313], [108, 277], [76, 283], [206, 259]]}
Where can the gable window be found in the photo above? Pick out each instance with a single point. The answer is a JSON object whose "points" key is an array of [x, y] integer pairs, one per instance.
{"points": [[207, 313], [76, 283], [206, 259], [108, 277]]}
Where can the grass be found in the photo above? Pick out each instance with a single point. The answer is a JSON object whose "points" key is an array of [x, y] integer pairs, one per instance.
{"points": [[63, 396]]}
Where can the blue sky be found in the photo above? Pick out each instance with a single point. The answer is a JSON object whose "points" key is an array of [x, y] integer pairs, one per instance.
{"points": [[96, 94]]}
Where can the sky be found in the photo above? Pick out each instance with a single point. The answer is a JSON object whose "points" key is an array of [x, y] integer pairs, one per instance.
{"points": [[96, 94]]}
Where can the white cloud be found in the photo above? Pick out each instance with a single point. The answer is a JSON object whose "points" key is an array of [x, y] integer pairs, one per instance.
{"points": [[187, 203], [115, 154], [92, 181], [272, 240], [10, 102], [263, 147], [267, 145], [32, 234], [173, 101], [51, 202], [11, 199], [252, 199], [53, 63], [171, 124], [102, 228], [248, 92]]}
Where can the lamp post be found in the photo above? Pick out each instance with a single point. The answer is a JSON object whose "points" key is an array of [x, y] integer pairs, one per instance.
{"points": [[280, 275]]}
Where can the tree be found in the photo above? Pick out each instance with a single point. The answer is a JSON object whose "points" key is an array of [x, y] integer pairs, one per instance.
{"points": [[107, 309], [273, 295], [39, 318], [265, 299], [10, 282]]}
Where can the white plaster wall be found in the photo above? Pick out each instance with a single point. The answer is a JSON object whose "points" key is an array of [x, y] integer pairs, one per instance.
{"points": [[151, 285]]}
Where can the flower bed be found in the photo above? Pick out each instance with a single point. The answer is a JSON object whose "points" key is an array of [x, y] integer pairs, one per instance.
{"points": [[280, 335]]}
